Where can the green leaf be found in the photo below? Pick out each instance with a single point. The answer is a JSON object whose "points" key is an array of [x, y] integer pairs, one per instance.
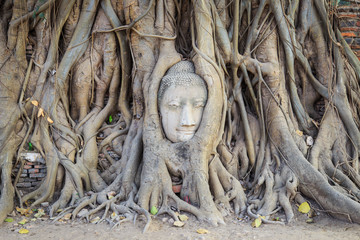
{"points": [[30, 146], [110, 119], [8, 220], [256, 223], [153, 210], [42, 15], [35, 12], [39, 214]]}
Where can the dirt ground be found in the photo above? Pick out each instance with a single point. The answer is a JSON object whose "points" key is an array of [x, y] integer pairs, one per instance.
{"points": [[324, 227]]}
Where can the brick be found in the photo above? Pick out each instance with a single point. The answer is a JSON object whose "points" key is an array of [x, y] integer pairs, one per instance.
{"points": [[348, 23], [347, 15], [40, 166], [24, 175], [33, 170], [24, 185], [29, 163], [20, 180], [349, 40], [43, 170], [348, 34], [37, 175], [28, 179], [349, 29], [27, 166], [35, 183], [23, 171]]}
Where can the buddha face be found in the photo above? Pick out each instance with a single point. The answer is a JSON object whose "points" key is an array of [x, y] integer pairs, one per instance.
{"points": [[181, 109]]}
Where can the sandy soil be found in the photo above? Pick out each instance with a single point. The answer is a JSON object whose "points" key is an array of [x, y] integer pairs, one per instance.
{"points": [[323, 228]]}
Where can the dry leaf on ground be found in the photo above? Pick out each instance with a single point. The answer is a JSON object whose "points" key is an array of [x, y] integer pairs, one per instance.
{"points": [[304, 207], [256, 223], [23, 231], [95, 220], [202, 231], [67, 216], [183, 217], [23, 221], [178, 224]]}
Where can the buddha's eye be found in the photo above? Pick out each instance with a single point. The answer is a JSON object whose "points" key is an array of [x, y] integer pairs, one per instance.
{"points": [[199, 104], [174, 105]]}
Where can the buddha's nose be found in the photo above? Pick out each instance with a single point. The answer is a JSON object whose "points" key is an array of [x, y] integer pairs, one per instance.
{"points": [[187, 118]]}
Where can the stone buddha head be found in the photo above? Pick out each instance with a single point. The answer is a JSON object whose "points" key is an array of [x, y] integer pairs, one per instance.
{"points": [[181, 99]]}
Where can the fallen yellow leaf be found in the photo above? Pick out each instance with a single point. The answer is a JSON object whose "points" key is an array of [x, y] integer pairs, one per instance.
{"points": [[95, 220], [50, 120], [312, 213], [310, 220], [22, 222], [35, 103], [40, 112], [178, 224], [300, 133], [304, 207], [24, 211], [113, 215], [202, 231], [23, 231], [256, 223], [183, 217], [67, 216], [39, 213]]}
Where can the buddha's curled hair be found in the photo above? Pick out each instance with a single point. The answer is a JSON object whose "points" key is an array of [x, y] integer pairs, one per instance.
{"points": [[181, 74]]}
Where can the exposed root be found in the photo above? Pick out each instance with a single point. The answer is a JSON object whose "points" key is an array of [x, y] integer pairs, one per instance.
{"points": [[267, 66]]}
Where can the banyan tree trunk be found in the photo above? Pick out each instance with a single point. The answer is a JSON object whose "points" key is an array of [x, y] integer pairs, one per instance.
{"points": [[281, 121]]}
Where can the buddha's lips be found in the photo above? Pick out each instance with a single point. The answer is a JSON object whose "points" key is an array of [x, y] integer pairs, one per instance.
{"points": [[186, 132]]}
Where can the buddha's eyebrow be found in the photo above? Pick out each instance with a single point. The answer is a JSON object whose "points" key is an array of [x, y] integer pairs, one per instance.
{"points": [[173, 101]]}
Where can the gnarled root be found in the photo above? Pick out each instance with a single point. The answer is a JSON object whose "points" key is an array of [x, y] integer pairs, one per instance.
{"points": [[226, 188]]}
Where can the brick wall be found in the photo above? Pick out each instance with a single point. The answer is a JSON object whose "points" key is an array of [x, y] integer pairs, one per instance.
{"points": [[348, 13], [33, 172]]}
